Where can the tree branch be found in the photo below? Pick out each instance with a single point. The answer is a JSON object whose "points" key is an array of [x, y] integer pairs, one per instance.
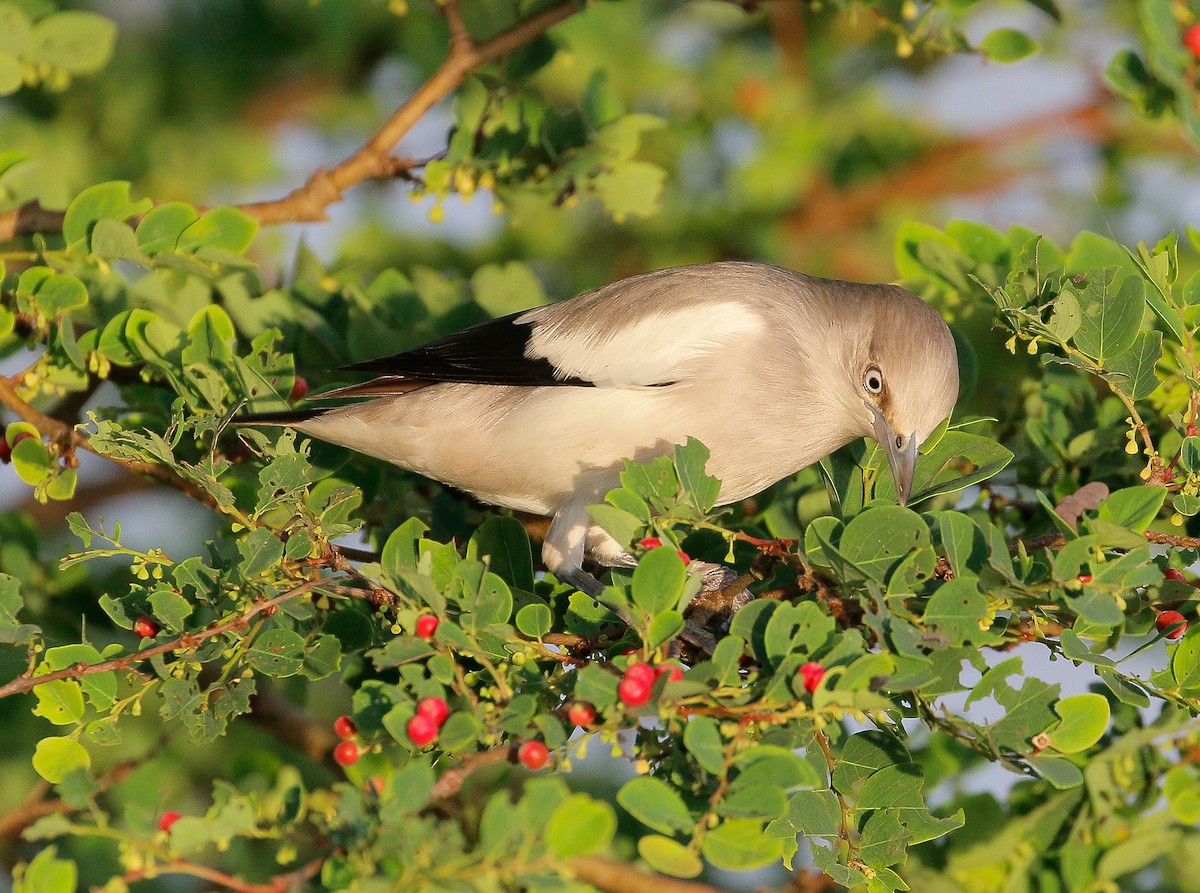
{"points": [[373, 160], [69, 439], [26, 681], [613, 876], [281, 883]]}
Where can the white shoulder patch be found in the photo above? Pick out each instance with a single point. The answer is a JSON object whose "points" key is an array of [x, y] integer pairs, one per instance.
{"points": [[654, 349]]}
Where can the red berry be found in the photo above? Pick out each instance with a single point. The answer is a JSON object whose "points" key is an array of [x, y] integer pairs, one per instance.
{"points": [[641, 671], [427, 625], [1172, 574], [21, 435], [672, 672], [633, 692], [1168, 619], [1191, 40], [533, 754], [299, 389], [433, 708], [344, 727], [650, 542], [684, 557], [167, 819], [421, 730], [5, 450], [345, 753], [813, 673], [145, 628], [1084, 578], [581, 714]]}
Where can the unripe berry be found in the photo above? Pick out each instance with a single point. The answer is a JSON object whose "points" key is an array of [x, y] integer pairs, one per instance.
{"points": [[344, 727], [167, 819], [299, 389], [1168, 619], [633, 691], [427, 625], [533, 754], [1172, 574], [433, 708], [421, 730], [345, 753], [813, 673], [145, 628], [581, 714], [672, 672], [1191, 40]]}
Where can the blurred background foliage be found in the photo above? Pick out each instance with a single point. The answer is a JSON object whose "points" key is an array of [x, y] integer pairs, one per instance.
{"points": [[816, 135]]}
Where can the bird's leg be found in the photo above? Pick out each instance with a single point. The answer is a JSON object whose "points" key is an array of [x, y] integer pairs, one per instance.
{"points": [[562, 552]]}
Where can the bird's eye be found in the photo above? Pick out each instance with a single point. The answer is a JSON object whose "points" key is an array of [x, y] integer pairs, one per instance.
{"points": [[873, 380]]}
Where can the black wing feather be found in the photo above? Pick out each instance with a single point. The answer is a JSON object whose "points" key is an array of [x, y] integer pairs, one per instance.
{"points": [[491, 352]]}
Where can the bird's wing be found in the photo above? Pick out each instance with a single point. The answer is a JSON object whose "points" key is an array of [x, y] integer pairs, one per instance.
{"points": [[615, 337]]}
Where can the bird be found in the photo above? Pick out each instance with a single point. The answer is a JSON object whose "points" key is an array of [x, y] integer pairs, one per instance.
{"points": [[536, 411]]}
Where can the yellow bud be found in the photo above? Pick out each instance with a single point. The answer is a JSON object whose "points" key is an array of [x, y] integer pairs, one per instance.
{"points": [[1131, 448], [1177, 519], [642, 767], [909, 10], [1032, 347], [437, 214], [904, 47], [487, 180]]}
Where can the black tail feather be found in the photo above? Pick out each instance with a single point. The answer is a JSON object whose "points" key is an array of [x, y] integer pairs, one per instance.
{"points": [[288, 417]]}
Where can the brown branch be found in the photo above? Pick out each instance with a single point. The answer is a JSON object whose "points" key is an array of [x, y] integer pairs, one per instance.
{"points": [[281, 883], [35, 805], [451, 781], [373, 160], [25, 682], [614, 876], [69, 439], [1057, 541]]}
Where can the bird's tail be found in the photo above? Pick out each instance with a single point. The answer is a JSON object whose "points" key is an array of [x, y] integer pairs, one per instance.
{"points": [[280, 419]]}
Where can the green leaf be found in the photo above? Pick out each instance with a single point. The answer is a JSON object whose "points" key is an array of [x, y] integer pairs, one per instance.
{"points": [[702, 739], [658, 580], [878, 539], [47, 874], [864, 755], [1083, 721], [501, 289], [1059, 771], [12, 631], [78, 42], [100, 202], [277, 652], [630, 188], [664, 627], [1133, 507], [225, 228], [171, 608], [159, 230], [669, 857], [690, 460], [534, 620], [261, 551], [1185, 662], [59, 701], [1136, 366], [655, 803], [580, 825], [503, 540], [740, 845], [1112, 314], [56, 758], [400, 551], [1008, 45]]}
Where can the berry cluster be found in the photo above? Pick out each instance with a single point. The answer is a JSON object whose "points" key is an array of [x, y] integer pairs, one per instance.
{"points": [[422, 729]]}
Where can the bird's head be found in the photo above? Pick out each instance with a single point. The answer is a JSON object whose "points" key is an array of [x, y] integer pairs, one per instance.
{"points": [[904, 367]]}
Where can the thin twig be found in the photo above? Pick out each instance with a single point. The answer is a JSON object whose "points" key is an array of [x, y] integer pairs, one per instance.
{"points": [[281, 883], [27, 681]]}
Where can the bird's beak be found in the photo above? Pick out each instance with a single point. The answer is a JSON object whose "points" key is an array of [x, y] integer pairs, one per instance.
{"points": [[901, 453]]}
